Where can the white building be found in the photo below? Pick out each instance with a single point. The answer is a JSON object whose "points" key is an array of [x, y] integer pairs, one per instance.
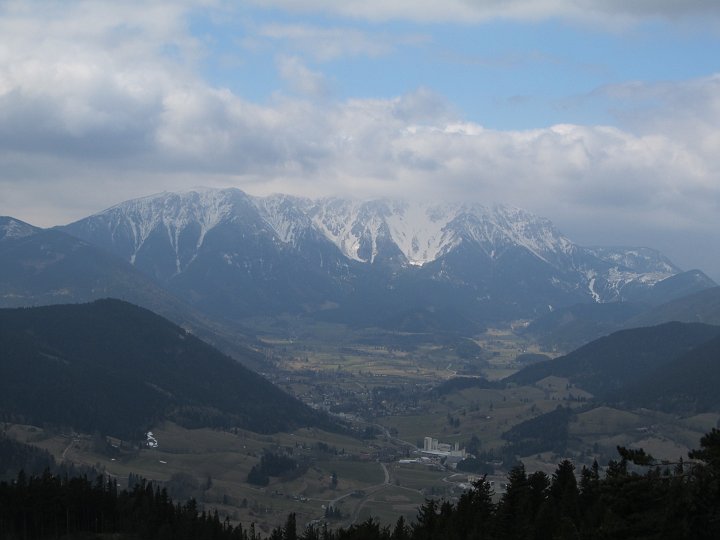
{"points": [[433, 447]]}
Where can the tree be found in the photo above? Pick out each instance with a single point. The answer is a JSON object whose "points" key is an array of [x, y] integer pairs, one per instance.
{"points": [[427, 517], [290, 529], [401, 530], [705, 496], [589, 499], [513, 519], [474, 512], [710, 450], [564, 497]]}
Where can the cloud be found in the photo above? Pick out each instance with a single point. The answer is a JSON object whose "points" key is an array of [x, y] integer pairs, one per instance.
{"points": [[325, 44], [476, 11], [79, 108], [302, 79], [104, 102], [691, 106], [87, 78]]}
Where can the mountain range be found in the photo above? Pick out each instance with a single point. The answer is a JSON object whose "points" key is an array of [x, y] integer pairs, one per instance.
{"points": [[380, 263]]}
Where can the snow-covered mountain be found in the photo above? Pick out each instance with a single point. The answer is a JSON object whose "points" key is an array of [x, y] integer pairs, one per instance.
{"points": [[237, 255], [11, 228], [420, 233]]}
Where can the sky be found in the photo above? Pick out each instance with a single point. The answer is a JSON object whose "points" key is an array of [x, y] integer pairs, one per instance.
{"points": [[601, 115]]}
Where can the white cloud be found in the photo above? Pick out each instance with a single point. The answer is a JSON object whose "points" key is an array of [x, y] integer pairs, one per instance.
{"points": [[687, 109], [102, 102], [79, 76]]}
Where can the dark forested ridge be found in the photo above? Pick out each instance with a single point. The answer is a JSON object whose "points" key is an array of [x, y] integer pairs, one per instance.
{"points": [[113, 367], [16, 456], [634, 498], [687, 385], [545, 432], [606, 365]]}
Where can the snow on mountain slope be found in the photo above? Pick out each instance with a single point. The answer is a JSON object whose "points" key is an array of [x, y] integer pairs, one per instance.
{"points": [[631, 266], [408, 234], [132, 223], [359, 228], [286, 215], [355, 227], [425, 232], [532, 232], [421, 230], [639, 259], [11, 228]]}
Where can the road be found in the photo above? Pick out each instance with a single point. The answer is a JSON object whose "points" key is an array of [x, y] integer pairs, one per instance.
{"points": [[370, 491], [387, 473], [366, 497], [367, 492], [69, 446], [374, 488], [394, 439]]}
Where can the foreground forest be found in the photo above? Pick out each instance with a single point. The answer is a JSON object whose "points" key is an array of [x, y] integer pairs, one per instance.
{"points": [[634, 498]]}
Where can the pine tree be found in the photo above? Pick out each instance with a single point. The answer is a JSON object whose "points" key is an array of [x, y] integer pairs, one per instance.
{"points": [[401, 530], [513, 518], [290, 529]]}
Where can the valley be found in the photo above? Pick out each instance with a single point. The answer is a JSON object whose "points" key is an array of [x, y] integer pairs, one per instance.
{"points": [[340, 360], [391, 390]]}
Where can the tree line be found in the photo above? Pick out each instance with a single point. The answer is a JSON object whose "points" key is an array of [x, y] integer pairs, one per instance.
{"points": [[635, 498]]}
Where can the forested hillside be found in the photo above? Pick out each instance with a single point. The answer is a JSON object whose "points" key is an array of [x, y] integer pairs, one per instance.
{"points": [[113, 367], [688, 385], [607, 364]]}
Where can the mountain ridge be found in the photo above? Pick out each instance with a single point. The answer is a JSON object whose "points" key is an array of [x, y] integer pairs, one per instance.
{"points": [[430, 230], [607, 364], [48, 266], [289, 254], [117, 368]]}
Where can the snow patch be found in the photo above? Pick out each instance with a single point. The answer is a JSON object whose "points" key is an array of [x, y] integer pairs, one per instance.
{"points": [[151, 441], [421, 231], [593, 293]]}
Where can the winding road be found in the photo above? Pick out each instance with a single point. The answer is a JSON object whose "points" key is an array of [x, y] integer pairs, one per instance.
{"points": [[367, 496]]}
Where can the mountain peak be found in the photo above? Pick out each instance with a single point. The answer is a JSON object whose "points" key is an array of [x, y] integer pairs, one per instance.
{"points": [[14, 228], [639, 259]]}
